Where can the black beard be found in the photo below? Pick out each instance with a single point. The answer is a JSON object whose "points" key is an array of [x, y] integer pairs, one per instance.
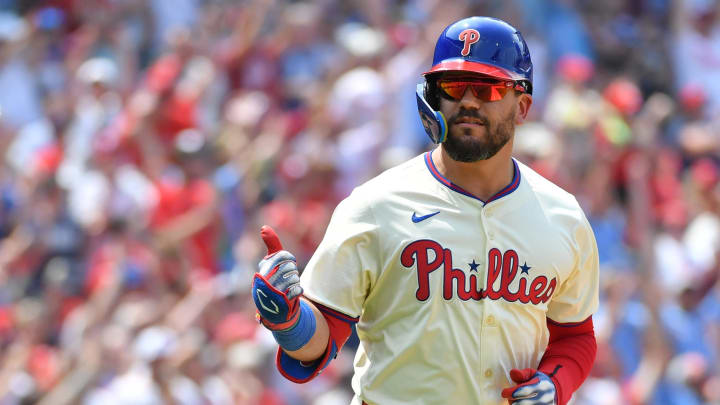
{"points": [[462, 146]]}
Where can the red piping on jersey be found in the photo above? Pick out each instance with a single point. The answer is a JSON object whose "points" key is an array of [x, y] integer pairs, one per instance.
{"points": [[510, 187], [570, 324], [336, 314], [315, 366], [449, 184], [340, 328]]}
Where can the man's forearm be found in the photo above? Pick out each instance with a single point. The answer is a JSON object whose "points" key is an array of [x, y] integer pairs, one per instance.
{"points": [[316, 346], [569, 356]]}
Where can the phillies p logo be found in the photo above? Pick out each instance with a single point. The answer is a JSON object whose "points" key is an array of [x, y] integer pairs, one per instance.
{"points": [[469, 37]]}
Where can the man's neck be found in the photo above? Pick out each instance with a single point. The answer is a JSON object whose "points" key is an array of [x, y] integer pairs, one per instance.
{"points": [[483, 178]]}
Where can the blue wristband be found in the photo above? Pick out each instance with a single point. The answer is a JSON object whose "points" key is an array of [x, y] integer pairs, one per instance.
{"points": [[299, 334]]}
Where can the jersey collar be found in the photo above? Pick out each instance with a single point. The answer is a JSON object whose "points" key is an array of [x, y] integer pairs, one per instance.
{"points": [[454, 187]]}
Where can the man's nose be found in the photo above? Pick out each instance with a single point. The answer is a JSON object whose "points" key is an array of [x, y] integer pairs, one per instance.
{"points": [[469, 100]]}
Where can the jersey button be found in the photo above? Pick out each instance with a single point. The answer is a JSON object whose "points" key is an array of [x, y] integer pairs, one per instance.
{"points": [[488, 373], [491, 235], [491, 320]]}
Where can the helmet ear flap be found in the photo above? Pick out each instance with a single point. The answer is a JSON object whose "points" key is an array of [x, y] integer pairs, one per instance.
{"points": [[431, 93], [433, 121]]}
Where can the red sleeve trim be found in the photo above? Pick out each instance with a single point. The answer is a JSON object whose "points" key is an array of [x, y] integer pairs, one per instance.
{"points": [[569, 356], [340, 329], [586, 322], [298, 372], [340, 326], [335, 314]]}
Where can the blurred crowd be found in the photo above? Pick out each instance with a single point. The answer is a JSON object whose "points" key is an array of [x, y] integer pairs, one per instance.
{"points": [[144, 142]]}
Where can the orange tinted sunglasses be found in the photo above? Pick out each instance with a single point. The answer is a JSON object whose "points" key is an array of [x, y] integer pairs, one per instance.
{"points": [[485, 90]]}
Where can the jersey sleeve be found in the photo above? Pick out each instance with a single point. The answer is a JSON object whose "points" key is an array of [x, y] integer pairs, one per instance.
{"points": [[342, 270], [577, 297]]}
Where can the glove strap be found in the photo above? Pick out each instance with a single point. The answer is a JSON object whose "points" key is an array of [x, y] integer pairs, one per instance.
{"points": [[299, 334]]}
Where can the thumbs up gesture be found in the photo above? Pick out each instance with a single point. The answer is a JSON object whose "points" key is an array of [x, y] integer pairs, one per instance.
{"points": [[276, 285]]}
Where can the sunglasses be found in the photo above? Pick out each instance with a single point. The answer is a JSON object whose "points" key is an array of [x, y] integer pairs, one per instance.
{"points": [[484, 89]]}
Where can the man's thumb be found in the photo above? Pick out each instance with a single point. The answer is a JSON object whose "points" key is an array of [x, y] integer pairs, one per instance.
{"points": [[271, 240]]}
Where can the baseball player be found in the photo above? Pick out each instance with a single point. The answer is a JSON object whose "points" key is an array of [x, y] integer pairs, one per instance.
{"points": [[470, 278]]}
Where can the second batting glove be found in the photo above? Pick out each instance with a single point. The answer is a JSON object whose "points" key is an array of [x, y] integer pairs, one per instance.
{"points": [[534, 388]]}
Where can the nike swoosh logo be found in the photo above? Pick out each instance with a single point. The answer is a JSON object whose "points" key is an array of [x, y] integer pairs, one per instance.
{"points": [[416, 218]]}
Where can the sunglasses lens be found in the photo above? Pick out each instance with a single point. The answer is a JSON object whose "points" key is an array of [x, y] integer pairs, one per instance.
{"points": [[485, 91], [454, 90], [490, 92]]}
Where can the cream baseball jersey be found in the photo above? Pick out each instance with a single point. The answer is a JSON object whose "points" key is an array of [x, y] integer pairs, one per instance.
{"points": [[452, 292]]}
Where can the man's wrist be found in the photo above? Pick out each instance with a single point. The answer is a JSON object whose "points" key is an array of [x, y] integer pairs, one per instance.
{"points": [[300, 332], [552, 373]]}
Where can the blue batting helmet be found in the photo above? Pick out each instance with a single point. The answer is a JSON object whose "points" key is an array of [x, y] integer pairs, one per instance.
{"points": [[480, 45]]}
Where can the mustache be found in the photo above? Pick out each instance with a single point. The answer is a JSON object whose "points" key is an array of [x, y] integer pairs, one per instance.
{"points": [[465, 113]]}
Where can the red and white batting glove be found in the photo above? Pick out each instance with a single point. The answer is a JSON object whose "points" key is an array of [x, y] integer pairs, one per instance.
{"points": [[534, 388], [276, 286]]}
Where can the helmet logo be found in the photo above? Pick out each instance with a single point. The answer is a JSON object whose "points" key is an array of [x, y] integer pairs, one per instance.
{"points": [[469, 37]]}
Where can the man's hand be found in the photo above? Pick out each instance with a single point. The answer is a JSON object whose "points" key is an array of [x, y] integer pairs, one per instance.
{"points": [[534, 388], [276, 286]]}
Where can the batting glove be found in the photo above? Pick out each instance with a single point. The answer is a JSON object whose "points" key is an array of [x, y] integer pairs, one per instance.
{"points": [[276, 286], [534, 388]]}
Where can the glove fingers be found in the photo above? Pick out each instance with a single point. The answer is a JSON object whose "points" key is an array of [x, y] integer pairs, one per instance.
{"points": [[545, 399], [294, 291], [538, 391], [267, 266], [284, 283], [523, 375], [280, 272], [508, 392], [534, 388], [544, 386], [272, 242], [527, 389]]}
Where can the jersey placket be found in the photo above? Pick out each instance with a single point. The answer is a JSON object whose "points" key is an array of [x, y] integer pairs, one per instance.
{"points": [[489, 341], [490, 336]]}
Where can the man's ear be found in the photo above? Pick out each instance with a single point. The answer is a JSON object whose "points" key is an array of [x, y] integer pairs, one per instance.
{"points": [[524, 103]]}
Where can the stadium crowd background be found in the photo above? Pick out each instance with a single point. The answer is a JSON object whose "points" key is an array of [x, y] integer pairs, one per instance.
{"points": [[144, 143]]}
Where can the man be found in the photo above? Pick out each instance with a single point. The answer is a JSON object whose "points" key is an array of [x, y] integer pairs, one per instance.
{"points": [[470, 277]]}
